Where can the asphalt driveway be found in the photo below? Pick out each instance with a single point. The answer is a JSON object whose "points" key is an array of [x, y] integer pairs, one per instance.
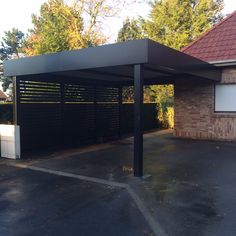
{"points": [[189, 189], [34, 203]]}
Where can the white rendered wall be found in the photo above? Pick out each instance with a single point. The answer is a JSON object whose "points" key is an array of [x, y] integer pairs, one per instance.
{"points": [[10, 141]]}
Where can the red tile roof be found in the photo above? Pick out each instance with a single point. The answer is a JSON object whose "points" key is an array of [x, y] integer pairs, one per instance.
{"points": [[217, 44]]}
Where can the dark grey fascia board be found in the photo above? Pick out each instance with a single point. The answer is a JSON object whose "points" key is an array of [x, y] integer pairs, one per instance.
{"points": [[176, 61], [134, 52], [127, 53]]}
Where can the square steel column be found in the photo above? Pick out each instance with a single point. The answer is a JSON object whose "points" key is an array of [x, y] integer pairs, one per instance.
{"points": [[16, 101], [120, 99], [138, 120]]}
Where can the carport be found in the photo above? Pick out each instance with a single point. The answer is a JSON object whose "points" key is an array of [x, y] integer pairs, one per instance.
{"points": [[78, 94]]}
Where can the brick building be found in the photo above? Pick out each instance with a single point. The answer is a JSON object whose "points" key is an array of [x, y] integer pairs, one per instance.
{"points": [[206, 110]]}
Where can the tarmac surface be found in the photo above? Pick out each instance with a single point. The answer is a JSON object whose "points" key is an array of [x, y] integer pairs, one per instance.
{"points": [[189, 189], [34, 203]]}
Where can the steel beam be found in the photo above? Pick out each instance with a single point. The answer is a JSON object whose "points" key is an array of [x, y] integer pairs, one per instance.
{"points": [[138, 120]]}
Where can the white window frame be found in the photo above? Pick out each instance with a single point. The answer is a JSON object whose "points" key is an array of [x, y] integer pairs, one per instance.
{"points": [[225, 98]]}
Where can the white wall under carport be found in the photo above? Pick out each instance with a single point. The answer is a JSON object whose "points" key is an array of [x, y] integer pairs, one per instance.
{"points": [[10, 141]]}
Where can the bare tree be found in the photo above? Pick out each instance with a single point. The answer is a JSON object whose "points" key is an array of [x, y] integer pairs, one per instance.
{"points": [[96, 13]]}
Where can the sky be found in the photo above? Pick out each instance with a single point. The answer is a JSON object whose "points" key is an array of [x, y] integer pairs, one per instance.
{"points": [[17, 13], [19, 16]]}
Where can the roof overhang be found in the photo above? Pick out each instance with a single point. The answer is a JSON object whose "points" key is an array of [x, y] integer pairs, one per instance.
{"points": [[115, 62], [224, 63]]}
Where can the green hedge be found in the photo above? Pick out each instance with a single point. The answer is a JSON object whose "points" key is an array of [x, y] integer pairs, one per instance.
{"points": [[6, 113]]}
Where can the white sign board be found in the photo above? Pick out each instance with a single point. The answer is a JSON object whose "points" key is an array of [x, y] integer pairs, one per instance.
{"points": [[10, 141], [225, 98]]}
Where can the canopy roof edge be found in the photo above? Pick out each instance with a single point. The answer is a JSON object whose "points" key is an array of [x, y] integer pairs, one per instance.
{"points": [[127, 53], [169, 58], [156, 57]]}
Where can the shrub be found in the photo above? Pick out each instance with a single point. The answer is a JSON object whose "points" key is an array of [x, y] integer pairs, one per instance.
{"points": [[166, 116], [170, 117]]}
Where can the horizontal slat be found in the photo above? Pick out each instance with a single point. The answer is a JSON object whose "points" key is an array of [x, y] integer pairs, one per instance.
{"points": [[41, 90], [38, 82]]}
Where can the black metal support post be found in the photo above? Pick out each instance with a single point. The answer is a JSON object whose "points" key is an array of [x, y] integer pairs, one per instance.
{"points": [[120, 111], [95, 132], [62, 86], [15, 100], [16, 109], [138, 120]]}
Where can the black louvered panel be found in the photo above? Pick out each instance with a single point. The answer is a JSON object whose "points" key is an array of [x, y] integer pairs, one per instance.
{"points": [[40, 125], [39, 92], [107, 121], [79, 123], [52, 114], [39, 114], [79, 114], [107, 112], [149, 117], [75, 93], [107, 94]]}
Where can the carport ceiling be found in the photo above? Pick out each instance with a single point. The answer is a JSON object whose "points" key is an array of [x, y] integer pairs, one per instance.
{"points": [[115, 62]]}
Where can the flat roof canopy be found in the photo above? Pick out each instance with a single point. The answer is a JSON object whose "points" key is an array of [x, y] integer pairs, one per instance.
{"points": [[138, 63], [115, 62]]}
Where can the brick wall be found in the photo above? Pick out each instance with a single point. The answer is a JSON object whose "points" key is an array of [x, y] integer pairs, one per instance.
{"points": [[194, 111]]}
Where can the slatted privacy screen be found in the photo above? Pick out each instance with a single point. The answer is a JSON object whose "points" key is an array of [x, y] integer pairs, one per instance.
{"points": [[107, 95], [79, 124], [74, 93], [40, 125], [79, 114], [39, 92], [107, 112], [149, 117], [53, 113], [39, 113]]}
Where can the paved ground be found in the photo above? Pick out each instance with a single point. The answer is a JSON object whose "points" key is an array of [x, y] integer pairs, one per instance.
{"points": [[34, 203], [191, 190]]}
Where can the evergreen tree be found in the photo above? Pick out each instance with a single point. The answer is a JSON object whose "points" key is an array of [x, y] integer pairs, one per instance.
{"points": [[11, 47], [58, 27], [175, 23], [130, 30], [61, 26]]}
